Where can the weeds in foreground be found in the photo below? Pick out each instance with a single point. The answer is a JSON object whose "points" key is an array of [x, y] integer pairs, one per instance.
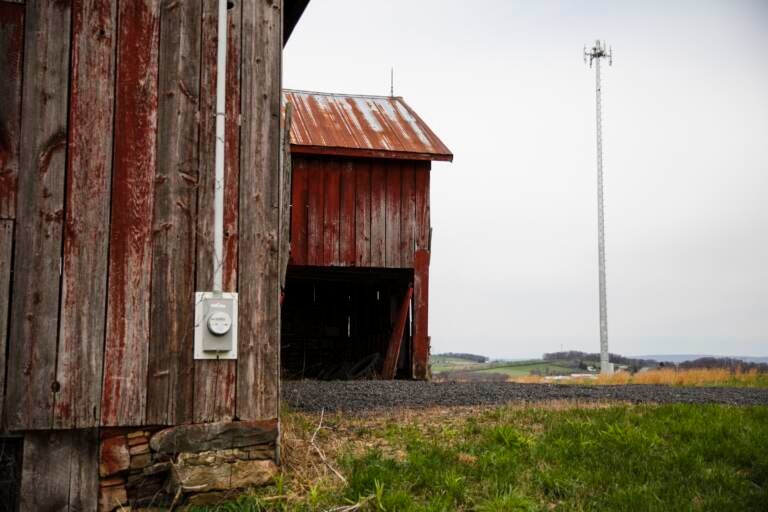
{"points": [[566, 457]]}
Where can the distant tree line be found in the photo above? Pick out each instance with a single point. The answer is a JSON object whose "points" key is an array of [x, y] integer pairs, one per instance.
{"points": [[584, 359], [723, 362], [469, 357]]}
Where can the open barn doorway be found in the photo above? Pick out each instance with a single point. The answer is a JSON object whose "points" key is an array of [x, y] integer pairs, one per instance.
{"points": [[338, 323]]}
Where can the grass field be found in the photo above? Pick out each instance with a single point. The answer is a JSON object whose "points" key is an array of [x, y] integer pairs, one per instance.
{"points": [[517, 370], [441, 364], [556, 457]]}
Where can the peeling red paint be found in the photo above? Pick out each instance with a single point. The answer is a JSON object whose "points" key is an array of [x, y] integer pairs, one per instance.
{"points": [[133, 182]]}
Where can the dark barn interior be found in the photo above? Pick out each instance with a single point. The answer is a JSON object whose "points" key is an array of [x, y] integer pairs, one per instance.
{"points": [[337, 322], [355, 302]]}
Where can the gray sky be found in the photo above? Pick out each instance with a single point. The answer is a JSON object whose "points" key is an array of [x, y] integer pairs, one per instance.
{"points": [[503, 84]]}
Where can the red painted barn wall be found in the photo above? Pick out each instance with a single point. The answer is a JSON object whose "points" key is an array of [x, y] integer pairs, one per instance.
{"points": [[106, 162], [358, 212]]}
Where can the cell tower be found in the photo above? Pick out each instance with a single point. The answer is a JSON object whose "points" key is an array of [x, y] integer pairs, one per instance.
{"points": [[596, 54]]}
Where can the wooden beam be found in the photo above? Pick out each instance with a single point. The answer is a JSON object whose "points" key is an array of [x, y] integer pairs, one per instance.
{"points": [[86, 225], [258, 365], [170, 387], [396, 339], [40, 214], [126, 348], [11, 51]]}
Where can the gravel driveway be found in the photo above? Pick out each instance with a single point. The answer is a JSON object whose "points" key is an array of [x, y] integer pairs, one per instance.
{"points": [[370, 395]]}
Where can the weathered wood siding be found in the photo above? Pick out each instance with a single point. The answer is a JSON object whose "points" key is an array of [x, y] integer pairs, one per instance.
{"points": [[258, 364], [106, 220], [358, 212]]}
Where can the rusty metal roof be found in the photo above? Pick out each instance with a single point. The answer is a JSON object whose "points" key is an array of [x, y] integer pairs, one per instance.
{"points": [[354, 125]]}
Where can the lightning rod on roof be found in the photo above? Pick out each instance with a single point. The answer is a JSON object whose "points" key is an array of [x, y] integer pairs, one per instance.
{"points": [[594, 54], [392, 82]]}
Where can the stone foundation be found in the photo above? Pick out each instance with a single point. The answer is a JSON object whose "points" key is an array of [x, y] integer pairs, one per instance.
{"points": [[190, 464]]}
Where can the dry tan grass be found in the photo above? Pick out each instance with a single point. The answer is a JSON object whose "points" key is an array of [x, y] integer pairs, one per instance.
{"points": [[669, 376]]}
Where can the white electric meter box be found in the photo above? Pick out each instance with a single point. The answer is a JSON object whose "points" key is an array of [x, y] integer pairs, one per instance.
{"points": [[215, 325]]}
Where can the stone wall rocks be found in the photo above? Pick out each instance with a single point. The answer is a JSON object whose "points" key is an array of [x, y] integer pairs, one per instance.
{"points": [[194, 464]]}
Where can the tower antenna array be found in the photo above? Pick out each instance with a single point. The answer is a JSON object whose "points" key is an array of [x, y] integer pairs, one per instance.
{"points": [[595, 54]]}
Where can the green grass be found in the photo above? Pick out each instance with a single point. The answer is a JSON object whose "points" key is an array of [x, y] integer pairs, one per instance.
{"points": [[442, 364], [644, 458], [518, 370]]}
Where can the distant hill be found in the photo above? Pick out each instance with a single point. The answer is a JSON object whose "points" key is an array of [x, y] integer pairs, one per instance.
{"points": [[467, 357], [681, 358]]}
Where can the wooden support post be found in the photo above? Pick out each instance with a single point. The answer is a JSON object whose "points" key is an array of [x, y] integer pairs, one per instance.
{"points": [[258, 365], [396, 340], [420, 315]]}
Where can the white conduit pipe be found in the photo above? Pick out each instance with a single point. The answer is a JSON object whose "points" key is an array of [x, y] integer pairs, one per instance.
{"points": [[218, 199]]}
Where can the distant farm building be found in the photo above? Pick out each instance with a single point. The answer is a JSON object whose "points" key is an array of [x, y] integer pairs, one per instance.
{"points": [[356, 296]]}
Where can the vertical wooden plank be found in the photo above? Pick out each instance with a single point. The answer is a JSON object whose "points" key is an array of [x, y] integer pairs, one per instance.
{"points": [[363, 214], [421, 314], [331, 213], [378, 214], [126, 348], [60, 470], [347, 212], [315, 211], [6, 252], [392, 243], [232, 159], [40, 213], [215, 380], [11, 50], [170, 388], [258, 368], [86, 225], [299, 209], [407, 216], [422, 207]]}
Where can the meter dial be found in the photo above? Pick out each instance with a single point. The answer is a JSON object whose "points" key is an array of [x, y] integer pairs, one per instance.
{"points": [[219, 323]]}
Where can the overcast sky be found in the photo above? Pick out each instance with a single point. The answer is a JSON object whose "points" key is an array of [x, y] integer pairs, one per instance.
{"points": [[503, 84]]}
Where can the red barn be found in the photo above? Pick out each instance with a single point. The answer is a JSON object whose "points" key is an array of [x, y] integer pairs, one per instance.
{"points": [[356, 296]]}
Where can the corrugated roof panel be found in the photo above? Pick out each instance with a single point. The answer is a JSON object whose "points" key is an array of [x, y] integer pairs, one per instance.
{"points": [[354, 125]]}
